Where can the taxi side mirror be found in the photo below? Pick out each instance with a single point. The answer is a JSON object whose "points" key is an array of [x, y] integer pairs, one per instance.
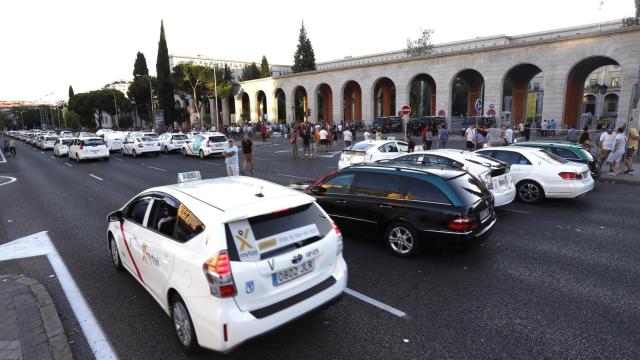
{"points": [[116, 216], [318, 190]]}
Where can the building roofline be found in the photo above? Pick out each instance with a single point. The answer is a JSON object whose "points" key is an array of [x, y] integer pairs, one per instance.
{"points": [[222, 60]]}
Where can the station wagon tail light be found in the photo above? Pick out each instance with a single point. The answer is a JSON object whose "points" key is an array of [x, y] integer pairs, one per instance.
{"points": [[570, 176], [218, 273], [462, 223], [335, 228], [339, 243], [140, 145]]}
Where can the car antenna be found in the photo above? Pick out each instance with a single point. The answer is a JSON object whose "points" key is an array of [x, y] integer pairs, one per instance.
{"points": [[260, 194]]}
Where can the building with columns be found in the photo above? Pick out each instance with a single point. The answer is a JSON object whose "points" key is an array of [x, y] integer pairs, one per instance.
{"points": [[453, 77]]}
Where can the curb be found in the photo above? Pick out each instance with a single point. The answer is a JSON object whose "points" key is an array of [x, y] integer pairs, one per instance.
{"points": [[622, 179], [58, 343]]}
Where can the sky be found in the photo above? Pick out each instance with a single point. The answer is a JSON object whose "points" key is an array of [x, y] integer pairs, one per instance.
{"points": [[48, 45]]}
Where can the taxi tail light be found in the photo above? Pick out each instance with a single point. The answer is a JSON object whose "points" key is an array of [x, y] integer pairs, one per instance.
{"points": [[462, 223], [140, 145], [570, 176], [81, 146], [218, 273], [340, 244], [208, 144]]}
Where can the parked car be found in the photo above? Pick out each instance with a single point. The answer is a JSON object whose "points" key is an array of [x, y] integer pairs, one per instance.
{"points": [[47, 142], [170, 142], [114, 140], [539, 174], [408, 204], [228, 259], [370, 151], [569, 151], [493, 173], [66, 134], [204, 144], [136, 146], [88, 148], [387, 124], [61, 147]]}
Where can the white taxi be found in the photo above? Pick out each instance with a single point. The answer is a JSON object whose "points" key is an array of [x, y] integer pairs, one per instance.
{"points": [[114, 140], [230, 258], [135, 146], [171, 141], [61, 147], [48, 141], [370, 151], [205, 144], [86, 148]]}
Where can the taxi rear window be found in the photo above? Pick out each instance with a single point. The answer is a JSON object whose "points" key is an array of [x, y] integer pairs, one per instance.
{"points": [[217, 138], [92, 142], [268, 235]]}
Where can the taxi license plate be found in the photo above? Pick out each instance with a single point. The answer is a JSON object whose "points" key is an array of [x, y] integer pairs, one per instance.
{"points": [[291, 273], [484, 214]]}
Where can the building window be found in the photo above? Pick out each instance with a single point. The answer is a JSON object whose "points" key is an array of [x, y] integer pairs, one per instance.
{"points": [[615, 81], [536, 86], [612, 106], [593, 81]]}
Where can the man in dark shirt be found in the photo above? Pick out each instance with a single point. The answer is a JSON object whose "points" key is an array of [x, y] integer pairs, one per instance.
{"points": [[247, 155]]}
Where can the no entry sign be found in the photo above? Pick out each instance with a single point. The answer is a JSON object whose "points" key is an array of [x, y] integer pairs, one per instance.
{"points": [[406, 110]]}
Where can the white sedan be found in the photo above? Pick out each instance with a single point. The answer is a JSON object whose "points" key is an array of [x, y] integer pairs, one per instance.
{"points": [[114, 140], [226, 264], [135, 146], [539, 174], [493, 173], [171, 142], [61, 147], [370, 151], [86, 148]]}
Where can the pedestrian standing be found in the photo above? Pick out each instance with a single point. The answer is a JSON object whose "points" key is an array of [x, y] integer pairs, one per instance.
{"points": [[348, 137], [428, 139], [313, 138], [367, 135], [508, 135], [378, 134], [411, 143], [5, 147], [294, 143], [323, 139], [306, 143], [572, 134], [585, 138], [615, 157], [443, 137], [470, 137], [247, 155], [230, 153], [12, 147], [632, 146], [607, 140]]}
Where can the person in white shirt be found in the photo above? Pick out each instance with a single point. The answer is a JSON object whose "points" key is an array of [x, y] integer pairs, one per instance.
{"points": [[508, 135], [348, 137], [367, 135], [230, 153], [617, 152], [470, 137], [607, 140], [323, 139]]}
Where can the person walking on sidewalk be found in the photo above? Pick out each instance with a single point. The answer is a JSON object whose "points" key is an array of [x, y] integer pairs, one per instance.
{"points": [[348, 137], [632, 146], [607, 140], [615, 157], [230, 153], [247, 155], [443, 137]]}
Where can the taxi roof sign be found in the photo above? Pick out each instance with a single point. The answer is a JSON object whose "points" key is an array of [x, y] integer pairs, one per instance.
{"points": [[189, 176]]}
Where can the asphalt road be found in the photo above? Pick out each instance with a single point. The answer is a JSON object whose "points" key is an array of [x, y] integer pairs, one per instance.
{"points": [[555, 280]]}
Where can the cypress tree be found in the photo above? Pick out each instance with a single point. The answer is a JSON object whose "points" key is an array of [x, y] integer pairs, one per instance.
{"points": [[265, 70], [140, 66], [71, 93], [304, 58], [165, 85]]}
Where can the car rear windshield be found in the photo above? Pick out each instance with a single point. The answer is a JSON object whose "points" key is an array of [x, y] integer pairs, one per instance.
{"points": [[146, 139], [67, 141], [550, 157], [587, 154], [361, 146], [93, 142], [217, 139], [151, 135], [51, 138], [268, 235], [469, 189], [179, 137]]}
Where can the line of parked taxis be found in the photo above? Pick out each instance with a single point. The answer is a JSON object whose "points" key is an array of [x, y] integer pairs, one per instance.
{"points": [[231, 258]]}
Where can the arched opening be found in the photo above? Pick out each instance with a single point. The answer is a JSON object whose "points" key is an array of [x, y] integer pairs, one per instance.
{"points": [[384, 98], [589, 104], [610, 106], [352, 102], [281, 106], [232, 107], [522, 94], [245, 113], [262, 106], [589, 76], [466, 88], [300, 104], [422, 96], [324, 99]]}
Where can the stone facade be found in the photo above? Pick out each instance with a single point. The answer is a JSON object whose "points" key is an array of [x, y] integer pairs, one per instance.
{"points": [[558, 54]]}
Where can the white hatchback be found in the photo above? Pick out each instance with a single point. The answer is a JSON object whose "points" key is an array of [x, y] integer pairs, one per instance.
{"points": [[493, 173], [205, 144], [230, 258], [539, 174], [114, 140], [86, 148], [135, 146], [61, 147], [370, 151], [171, 142], [48, 141]]}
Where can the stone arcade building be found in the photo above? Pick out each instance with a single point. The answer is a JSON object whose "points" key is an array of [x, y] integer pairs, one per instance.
{"points": [[362, 88]]}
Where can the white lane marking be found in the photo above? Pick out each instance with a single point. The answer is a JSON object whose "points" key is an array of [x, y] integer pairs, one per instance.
{"points": [[53, 157], [211, 163], [41, 152], [96, 177], [11, 179], [40, 244], [3, 159], [514, 210], [330, 154], [296, 177], [155, 168], [68, 164], [115, 158], [376, 303], [281, 151]]}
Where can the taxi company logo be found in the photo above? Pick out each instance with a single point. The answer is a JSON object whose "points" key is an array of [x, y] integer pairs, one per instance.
{"points": [[144, 252], [296, 259], [249, 287], [243, 237], [147, 257]]}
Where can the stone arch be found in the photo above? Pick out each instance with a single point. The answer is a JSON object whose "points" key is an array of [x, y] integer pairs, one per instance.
{"points": [[421, 92], [574, 89], [384, 97], [516, 90], [232, 105], [261, 105], [280, 101], [324, 103], [245, 111], [351, 101], [466, 87], [300, 104]]}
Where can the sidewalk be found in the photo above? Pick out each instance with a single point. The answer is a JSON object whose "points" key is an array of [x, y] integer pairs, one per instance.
{"points": [[29, 324], [622, 179]]}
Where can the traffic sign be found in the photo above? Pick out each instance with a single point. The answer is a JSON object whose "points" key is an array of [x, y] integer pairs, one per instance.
{"points": [[491, 112], [406, 110], [478, 105], [441, 112]]}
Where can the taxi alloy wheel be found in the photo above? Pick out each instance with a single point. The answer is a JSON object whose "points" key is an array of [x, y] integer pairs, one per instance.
{"points": [[530, 192], [183, 325], [184, 152], [134, 154], [201, 153], [115, 256], [166, 150], [402, 239]]}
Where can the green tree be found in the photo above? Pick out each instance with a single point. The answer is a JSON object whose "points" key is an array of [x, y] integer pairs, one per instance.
{"points": [[265, 70], [196, 80], [140, 66], [637, 8], [72, 118], [70, 92], [250, 72], [140, 93], [227, 75], [420, 46], [165, 81], [304, 58]]}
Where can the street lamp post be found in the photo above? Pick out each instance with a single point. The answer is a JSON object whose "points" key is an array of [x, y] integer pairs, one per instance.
{"points": [[115, 106]]}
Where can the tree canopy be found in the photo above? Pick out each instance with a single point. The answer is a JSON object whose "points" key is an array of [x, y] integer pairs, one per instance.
{"points": [[140, 66], [304, 58], [91, 104], [265, 69], [250, 72], [70, 91], [420, 46], [165, 82]]}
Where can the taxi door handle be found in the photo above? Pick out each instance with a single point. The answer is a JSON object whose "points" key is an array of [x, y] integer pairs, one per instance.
{"points": [[341, 201], [385, 206]]}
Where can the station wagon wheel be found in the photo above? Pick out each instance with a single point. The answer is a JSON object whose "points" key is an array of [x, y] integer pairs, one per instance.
{"points": [[134, 153], [401, 239], [115, 256], [530, 192], [183, 325]]}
